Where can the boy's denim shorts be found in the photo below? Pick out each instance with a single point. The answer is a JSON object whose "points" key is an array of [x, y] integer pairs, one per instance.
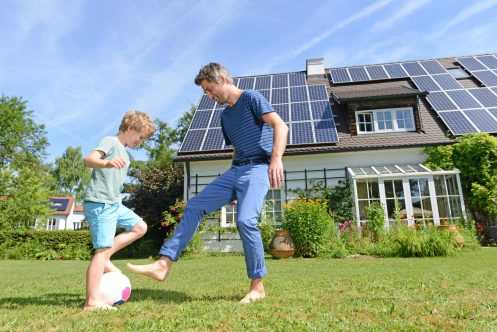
{"points": [[103, 219]]}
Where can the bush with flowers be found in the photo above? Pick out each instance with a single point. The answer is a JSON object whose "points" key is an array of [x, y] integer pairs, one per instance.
{"points": [[171, 218], [310, 226]]}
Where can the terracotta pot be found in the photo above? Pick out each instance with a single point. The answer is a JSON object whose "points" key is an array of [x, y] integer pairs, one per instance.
{"points": [[453, 229], [282, 245]]}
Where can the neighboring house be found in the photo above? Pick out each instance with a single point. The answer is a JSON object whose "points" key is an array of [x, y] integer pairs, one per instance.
{"points": [[66, 215], [369, 124]]}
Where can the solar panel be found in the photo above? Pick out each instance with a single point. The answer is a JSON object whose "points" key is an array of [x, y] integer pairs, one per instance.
{"points": [[487, 77], [340, 75], [280, 81], [262, 82], [471, 64], [483, 120], [377, 72], [318, 92], [246, 83], [358, 74], [283, 111], [494, 90], [325, 131], [463, 99], [395, 70], [193, 140], [457, 123], [493, 111], [488, 60], [484, 96], [214, 140], [279, 96], [200, 119], [59, 204], [300, 112], [425, 83], [433, 67], [205, 103], [447, 82], [413, 68], [220, 106], [440, 101], [216, 119], [266, 94], [297, 79], [321, 110], [298, 94], [302, 132]]}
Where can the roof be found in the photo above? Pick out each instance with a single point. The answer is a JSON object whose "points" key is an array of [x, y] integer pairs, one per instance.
{"points": [[62, 205], [378, 91], [444, 103]]}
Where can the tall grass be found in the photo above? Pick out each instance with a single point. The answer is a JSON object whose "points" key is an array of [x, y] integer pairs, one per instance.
{"points": [[455, 293]]}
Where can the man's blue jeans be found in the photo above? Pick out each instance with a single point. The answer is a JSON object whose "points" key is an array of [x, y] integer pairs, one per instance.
{"points": [[250, 183]]}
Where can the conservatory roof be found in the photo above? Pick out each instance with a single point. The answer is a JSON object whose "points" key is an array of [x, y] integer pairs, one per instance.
{"points": [[395, 171]]}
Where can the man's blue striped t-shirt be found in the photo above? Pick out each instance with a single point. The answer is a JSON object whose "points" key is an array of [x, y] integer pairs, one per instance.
{"points": [[244, 128]]}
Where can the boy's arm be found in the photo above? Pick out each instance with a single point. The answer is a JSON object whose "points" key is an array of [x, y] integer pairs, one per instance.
{"points": [[95, 160]]}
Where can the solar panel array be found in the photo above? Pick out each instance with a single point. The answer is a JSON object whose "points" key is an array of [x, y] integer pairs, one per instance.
{"points": [[305, 109], [463, 110]]}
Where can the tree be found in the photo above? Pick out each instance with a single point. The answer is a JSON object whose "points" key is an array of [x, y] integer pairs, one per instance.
{"points": [[475, 155], [24, 181], [21, 139], [70, 174], [184, 123]]}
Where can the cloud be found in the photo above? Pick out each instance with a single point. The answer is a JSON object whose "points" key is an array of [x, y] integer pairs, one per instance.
{"points": [[463, 15], [409, 8], [290, 54]]}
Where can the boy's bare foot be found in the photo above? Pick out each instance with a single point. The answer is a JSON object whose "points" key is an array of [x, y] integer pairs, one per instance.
{"points": [[110, 267], [99, 306], [252, 296], [157, 270]]}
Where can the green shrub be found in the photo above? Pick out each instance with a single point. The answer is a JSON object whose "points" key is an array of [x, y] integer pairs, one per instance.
{"points": [[428, 242], [375, 225], [310, 226], [267, 226]]}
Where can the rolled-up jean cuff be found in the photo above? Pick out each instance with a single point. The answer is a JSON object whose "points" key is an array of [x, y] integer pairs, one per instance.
{"points": [[258, 274], [165, 252]]}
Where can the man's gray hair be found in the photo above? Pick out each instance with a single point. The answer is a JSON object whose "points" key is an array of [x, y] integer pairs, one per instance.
{"points": [[211, 73]]}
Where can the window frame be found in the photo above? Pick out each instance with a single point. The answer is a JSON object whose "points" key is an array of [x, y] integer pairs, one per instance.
{"points": [[393, 118]]}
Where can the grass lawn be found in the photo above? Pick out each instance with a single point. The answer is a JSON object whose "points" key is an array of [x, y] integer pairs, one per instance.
{"points": [[373, 294]]}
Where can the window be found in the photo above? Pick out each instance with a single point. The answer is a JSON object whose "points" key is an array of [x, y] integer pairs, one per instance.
{"points": [[448, 198], [385, 120], [394, 191], [273, 205], [421, 202], [367, 192], [52, 224]]}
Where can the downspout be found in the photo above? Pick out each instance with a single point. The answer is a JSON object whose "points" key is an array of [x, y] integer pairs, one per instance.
{"points": [[421, 127]]}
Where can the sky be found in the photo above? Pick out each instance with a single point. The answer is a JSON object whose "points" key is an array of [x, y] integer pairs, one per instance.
{"points": [[81, 64]]}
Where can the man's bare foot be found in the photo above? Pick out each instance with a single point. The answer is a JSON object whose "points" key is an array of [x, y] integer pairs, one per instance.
{"points": [[109, 267], [99, 306], [157, 270], [253, 295]]}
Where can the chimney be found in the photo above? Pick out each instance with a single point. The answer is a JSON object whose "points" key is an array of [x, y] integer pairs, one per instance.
{"points": [[315, 68]]}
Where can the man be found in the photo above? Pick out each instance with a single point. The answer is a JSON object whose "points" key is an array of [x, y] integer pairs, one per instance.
{"points": [[258, 136]]}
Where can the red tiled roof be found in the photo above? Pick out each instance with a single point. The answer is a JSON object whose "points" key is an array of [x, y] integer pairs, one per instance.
{"points": [[69, 206]]}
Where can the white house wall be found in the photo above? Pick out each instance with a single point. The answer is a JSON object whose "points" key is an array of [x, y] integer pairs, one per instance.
{"points": [[338, 161]]}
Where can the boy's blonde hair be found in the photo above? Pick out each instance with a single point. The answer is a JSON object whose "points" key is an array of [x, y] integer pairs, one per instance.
{"points": [[138, 121]]}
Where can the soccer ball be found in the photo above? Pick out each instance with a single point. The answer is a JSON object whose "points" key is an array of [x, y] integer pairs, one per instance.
{"points": [[115, 288]]}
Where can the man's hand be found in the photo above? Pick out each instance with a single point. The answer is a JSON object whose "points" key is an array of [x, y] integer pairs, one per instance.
{"points": [[275, 172], [116, 162]]}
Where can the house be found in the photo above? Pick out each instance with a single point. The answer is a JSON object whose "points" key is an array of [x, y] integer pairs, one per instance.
{"points": [[368, 124], [66, 215]]}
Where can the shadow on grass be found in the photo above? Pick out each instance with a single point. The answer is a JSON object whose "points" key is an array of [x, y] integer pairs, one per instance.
{"points": [[175, 297], [76, 300]]}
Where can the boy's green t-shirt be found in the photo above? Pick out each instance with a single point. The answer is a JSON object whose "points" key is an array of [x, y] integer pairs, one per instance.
{"points": [[106, 184]]}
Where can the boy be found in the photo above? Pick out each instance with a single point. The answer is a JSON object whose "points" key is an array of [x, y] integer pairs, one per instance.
{"points": [[102, 206]]}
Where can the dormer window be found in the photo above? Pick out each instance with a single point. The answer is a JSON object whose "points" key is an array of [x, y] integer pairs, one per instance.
{"points": [[385, 120]]}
